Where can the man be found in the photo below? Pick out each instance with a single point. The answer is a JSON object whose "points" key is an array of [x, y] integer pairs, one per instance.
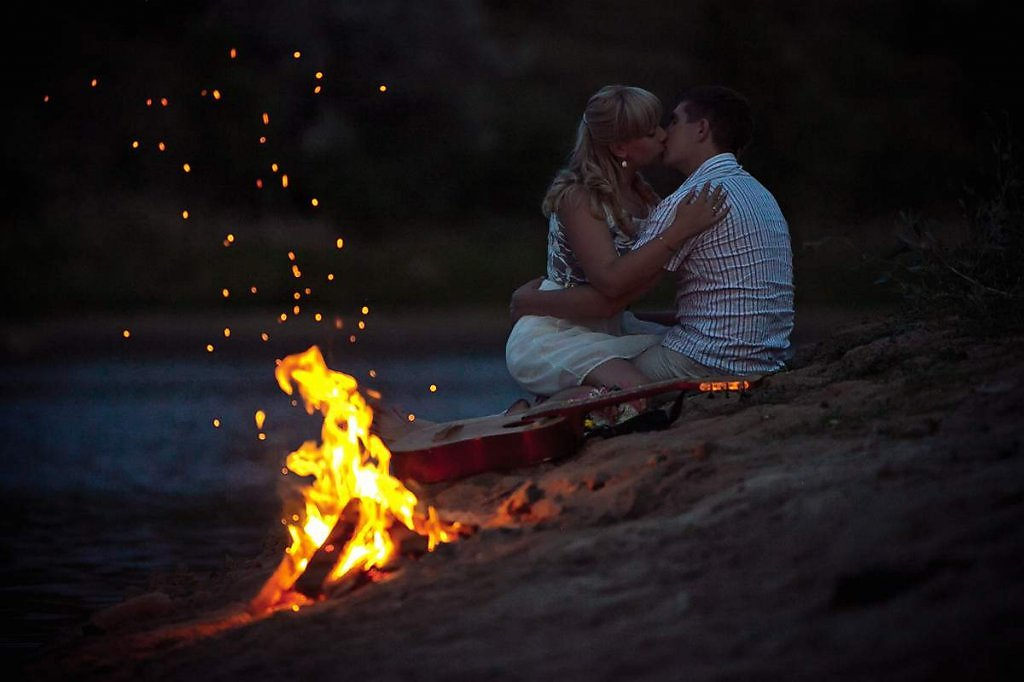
{"points": [[734, 282]]}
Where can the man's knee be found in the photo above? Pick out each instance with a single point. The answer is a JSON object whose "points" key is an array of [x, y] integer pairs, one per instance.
{"points": [[660, 363], [652, 363]]}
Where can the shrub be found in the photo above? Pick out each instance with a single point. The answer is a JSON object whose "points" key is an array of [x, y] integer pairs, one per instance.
{"points": [[975, 271]]}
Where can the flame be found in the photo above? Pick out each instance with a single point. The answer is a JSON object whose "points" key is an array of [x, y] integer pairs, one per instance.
{"points": [[350, 464]]}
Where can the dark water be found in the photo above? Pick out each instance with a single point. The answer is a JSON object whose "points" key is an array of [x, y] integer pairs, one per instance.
{"points": [[113, 471]]}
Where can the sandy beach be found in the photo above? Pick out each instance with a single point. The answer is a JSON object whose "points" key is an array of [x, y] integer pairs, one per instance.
{"points": [[854, 518]]}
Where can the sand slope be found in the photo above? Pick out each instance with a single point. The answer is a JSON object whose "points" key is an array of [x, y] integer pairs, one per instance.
{"points": [[858, 517]]}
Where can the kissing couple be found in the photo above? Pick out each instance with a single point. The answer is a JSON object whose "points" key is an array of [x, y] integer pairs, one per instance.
{"points": [[611, 238]]}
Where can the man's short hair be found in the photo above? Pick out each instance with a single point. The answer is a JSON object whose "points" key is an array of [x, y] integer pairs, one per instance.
{"points": [[727, 111]]}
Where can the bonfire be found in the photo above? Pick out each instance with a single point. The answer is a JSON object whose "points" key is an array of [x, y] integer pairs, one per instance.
{"points": [[351, 507]]}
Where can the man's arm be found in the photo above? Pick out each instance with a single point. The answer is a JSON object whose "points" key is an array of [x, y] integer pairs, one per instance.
{"points": [[665, 317]]}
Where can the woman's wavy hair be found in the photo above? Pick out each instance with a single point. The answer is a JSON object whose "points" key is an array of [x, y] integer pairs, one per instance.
{"points": [[615, 113]]}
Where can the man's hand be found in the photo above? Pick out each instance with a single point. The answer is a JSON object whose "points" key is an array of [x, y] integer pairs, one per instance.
{"points": [[518, 306]]}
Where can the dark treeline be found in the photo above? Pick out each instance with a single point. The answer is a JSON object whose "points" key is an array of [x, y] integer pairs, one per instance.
{"points": [[863, 107]]}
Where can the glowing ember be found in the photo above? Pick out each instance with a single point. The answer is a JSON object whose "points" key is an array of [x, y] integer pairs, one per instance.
{"points": [[350, 470]]}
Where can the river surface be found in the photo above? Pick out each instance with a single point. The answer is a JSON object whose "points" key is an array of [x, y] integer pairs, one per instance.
{"points": [[113, 470]]}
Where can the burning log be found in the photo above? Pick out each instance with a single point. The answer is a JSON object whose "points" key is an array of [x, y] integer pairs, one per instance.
{"points": [[312, 581]]}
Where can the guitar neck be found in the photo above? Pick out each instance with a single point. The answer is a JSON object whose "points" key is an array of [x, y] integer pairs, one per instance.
{"points": [[704, 385]]}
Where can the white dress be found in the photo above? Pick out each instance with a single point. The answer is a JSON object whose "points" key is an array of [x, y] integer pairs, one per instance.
{"points": [[549, 354]]}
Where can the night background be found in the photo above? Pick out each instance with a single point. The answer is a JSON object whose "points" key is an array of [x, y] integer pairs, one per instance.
{"points": [[192, 190], [863, 110]]}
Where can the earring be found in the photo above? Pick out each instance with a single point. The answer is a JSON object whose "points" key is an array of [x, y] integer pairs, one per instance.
{"points": [[624, 164]]}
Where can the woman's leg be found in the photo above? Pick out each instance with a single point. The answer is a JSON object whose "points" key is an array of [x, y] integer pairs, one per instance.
{"points": [[620, 373], [616, 372]]}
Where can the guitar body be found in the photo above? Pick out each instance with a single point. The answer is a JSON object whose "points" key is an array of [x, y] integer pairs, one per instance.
{"points": [[549, 431], [459, 449]]}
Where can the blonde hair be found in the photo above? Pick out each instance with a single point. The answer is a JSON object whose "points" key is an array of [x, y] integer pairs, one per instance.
{"points": [[615, 113]]}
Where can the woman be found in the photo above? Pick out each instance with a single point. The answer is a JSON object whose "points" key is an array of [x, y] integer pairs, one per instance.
{"points": [[596, 206]]}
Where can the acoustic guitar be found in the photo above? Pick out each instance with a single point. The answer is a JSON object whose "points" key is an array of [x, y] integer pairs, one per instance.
{"points": [[548, 431]]}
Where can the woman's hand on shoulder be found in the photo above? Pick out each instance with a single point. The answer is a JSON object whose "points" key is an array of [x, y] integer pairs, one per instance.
{"points": [[697, 212]]}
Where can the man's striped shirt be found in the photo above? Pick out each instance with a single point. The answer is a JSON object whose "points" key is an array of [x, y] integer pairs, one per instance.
{"points": [[734, 289]]}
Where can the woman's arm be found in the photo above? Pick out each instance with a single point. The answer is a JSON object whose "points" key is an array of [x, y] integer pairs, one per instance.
{"points": [[574, 302], [581, 301], [617, 276]]}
